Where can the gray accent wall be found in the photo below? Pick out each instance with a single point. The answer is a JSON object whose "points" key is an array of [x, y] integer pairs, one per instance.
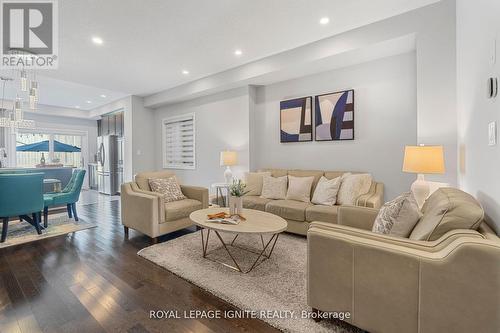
{"points": [[385, 121]]}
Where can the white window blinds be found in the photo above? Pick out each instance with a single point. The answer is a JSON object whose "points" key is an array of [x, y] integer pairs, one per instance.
{"points": [[179, 142]]}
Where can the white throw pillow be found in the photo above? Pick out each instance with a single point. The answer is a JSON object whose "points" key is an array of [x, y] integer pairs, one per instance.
{"points": [[253, 180], [169, 187], [274, 188], [352, 186], [398, 217], [299, 188], [326, 191]]}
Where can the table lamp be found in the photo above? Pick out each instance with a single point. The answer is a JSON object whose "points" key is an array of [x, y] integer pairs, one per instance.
{"points": [[227, 159], [421, 160]]}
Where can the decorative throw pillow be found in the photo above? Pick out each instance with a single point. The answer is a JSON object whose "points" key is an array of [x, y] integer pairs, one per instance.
{"points": [[274, 188], [398, 217], [299, 188], [169, 187], [253, 180], [326, 191], [352, 186]]}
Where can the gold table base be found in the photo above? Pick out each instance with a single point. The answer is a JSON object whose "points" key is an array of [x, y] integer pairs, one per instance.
{"points": [[262, 254]]}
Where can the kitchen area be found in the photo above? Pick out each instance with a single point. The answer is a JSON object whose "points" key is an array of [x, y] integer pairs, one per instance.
{"points": [[106, 172]]}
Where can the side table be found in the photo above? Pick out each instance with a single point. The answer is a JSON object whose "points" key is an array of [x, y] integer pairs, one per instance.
{"points": [[220, 197]]}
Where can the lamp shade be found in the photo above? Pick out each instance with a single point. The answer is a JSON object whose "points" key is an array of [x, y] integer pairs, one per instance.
{"points": [[228, 158], [424, 159]]}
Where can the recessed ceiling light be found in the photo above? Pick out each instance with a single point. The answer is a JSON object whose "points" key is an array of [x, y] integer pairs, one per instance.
{"points": [[77, 106], [97, 40], [238, 52], [185, 72], [324, 20], [103, 96], [88, 102]]}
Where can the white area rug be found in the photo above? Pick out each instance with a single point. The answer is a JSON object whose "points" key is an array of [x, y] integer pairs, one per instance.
{"points": [[278, 284], [58, 224]]}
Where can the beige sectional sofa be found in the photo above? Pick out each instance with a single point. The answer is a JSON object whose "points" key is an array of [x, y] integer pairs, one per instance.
{"points": [[444, 278], [299, 214], [147, 212]]}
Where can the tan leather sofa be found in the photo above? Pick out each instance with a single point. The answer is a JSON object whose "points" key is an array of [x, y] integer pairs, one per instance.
{"points": [[300, 214], [146, 211], [442, 279]]}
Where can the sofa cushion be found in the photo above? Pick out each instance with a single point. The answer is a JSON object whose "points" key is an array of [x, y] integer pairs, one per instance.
{"points": [[276, 172], [352, 186], [326, 191], [322, 213], [254, 180], [317, 174], [255, 202], [299, 188], [447, 209], [176, 210], [334, 174], [288, 209], [142, 178]]}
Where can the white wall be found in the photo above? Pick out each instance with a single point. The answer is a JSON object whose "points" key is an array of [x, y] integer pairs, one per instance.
{"points": [[143, 136], [385, 121], [478, 25], [222, 122]]}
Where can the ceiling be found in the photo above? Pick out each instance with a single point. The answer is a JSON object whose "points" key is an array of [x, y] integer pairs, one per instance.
{"points": [[147, 44]]}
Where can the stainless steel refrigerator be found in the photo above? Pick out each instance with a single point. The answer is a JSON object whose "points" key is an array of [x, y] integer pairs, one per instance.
{"points": [[107, 164]]}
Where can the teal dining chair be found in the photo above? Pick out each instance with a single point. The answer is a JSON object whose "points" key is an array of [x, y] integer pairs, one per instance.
{"points": [[68, 196], [21, 195]]}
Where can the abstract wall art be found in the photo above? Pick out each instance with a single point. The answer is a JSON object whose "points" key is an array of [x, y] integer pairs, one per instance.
{"points": [[296, 120], [334, 116]]}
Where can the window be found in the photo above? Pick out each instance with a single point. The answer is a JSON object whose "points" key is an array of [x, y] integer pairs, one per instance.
{"points": [[55, 148], [179, 142]]}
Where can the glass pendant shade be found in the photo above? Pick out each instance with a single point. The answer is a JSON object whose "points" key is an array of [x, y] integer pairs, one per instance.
{"points": [[24, 80], [18, 104], [33, 99], [34, 90]]}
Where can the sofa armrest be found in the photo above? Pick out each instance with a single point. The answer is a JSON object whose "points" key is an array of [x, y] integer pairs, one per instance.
{"points": [[374, 198], [357, 217], [141, 210], [196, 193]]}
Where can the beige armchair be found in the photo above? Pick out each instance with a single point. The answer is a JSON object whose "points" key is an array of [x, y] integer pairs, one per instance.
{"points": [[389, 284], [146, 211]]}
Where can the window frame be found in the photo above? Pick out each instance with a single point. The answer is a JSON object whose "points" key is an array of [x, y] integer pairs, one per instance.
{"points": [[172, 119], [51, 132]]}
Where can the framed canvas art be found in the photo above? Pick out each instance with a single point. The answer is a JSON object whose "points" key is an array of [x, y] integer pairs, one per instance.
{"points": [[296, 120], [334, 116]]}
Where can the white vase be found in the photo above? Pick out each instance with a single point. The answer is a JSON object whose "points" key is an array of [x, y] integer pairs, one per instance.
{"points": [[235, 205]]}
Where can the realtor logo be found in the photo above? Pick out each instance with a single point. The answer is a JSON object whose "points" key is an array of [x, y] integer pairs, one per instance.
{"points": [[29, 33]]}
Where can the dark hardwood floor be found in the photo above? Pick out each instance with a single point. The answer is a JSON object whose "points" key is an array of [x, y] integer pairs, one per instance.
{"points": [[93, 281]]}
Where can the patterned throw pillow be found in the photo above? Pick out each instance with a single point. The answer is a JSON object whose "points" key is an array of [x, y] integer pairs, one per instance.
{"points": [[326, 191], [274, 188], [352, 186], [398, 217], [169, 187]]}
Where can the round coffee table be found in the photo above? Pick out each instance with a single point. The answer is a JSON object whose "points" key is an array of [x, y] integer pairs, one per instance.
{"points": [[256, 223]]}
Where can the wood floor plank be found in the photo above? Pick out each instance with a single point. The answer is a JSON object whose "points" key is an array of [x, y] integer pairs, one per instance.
{"points": [[93, 281]]}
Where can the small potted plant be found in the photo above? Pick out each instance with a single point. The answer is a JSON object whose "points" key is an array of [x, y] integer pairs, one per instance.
{"points": [[236, 192]]}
